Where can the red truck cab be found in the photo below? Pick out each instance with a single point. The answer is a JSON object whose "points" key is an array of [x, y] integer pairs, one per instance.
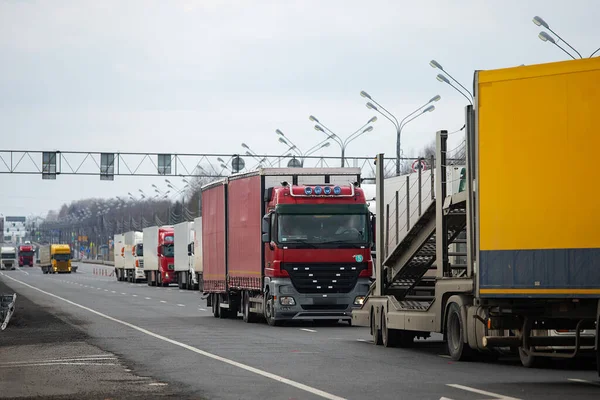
{"points": [[26, 255], [166, 256]]}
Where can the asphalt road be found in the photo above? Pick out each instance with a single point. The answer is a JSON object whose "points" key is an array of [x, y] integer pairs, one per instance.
{"points": [[169, 337]]}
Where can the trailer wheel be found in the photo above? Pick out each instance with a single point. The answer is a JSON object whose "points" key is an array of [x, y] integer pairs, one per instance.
{"points": [[376, 333], [455, 326], [389, 337]]}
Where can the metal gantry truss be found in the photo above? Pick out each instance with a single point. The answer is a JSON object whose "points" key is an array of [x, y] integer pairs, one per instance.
{"points": [[50, 164]]}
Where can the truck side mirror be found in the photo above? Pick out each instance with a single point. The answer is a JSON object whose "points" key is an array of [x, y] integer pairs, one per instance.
{"points": [[266, 228], [190, 249]]}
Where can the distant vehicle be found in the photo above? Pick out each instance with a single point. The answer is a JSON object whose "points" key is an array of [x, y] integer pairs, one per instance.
{"points": [[119, 256], [55, 258], [26, 255], [8, 254], [187, 267], [133, 259], [159, 263]]}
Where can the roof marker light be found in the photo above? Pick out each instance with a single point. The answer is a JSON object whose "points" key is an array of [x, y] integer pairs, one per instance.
{"points": [[308, 191], [337, 190], [318, 190], [327, 190]]}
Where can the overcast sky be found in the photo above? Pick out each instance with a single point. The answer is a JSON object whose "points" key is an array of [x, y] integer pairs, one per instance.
{"points": [[202, 76]]}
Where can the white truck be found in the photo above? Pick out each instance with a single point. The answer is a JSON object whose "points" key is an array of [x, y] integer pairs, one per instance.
{"points": [[8, 254], [119, 253], [133, 260], [187, 265]]}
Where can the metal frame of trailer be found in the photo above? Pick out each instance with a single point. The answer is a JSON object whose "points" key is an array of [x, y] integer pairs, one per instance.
{"points": [[406, 302]]}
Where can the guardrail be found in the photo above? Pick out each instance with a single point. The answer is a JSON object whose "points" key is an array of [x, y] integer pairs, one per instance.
{"points": [[97, 262], [7, 308]]}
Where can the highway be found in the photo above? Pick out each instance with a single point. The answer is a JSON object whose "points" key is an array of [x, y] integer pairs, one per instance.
{"points": [[134, 341]]}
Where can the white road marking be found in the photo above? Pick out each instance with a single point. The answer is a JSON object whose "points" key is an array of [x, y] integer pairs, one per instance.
{"points": [[307, 330], [202, 309], [134, 295], [584, 381], [162, 301], [106, 357], [112, 291], [181, 305], [106, 290], [362, 340], [99, 288], [49, 364], [495, 396], [123, 293], [224, 360], [25, 272], [147, 298]]}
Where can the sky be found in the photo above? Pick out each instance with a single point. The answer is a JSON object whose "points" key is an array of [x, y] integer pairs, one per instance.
{"points": [[203, 76]]}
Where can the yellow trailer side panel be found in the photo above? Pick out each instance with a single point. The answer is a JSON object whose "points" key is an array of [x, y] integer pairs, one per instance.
{"points": [[538, 181]]}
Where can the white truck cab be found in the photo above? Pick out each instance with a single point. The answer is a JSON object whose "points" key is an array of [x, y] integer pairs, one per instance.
{"points": [[8, 255]]}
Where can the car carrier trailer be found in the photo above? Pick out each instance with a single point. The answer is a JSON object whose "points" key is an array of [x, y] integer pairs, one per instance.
{"points": [[531, 259]]}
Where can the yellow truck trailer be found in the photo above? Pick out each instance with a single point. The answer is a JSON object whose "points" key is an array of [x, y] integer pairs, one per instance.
{"points": [[529, 221], [55, 258]]}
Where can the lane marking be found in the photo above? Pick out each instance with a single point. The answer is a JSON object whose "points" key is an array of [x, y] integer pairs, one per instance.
{"points": [[50, 364], [495, 396], [147, 298], [106, 290], [583, 381], [362, 340], [112, 291], [163, 301], [181, 305], [265, 374], [124, 293], [307, 330], [107, 357], [202, 309], [134, 295], [25, 272]]}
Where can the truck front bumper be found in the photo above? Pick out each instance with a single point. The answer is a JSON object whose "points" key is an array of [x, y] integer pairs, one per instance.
{"points": [[313, 306]]}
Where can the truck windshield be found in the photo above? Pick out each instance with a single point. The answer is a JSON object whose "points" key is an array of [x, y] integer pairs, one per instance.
{"points": [[323, 228], [62, 257], [168, 250], [139, 250], [26, 253], [9, 255]]}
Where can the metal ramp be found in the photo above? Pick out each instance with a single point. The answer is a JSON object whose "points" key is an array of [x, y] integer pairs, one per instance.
{"points": [[408, 263]]}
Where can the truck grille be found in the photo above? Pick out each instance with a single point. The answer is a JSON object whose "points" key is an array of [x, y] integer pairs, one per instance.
{"points": [[325, 277]]}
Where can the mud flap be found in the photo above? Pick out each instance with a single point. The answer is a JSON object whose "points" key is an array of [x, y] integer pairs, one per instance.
{"points": [[7, 308]]}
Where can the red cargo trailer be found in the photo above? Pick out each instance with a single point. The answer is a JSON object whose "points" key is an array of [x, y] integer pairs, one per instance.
{"points": [[286, 243]]}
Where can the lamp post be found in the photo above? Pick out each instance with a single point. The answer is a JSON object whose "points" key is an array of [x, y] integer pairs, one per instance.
{"points": [[545, 37], [253, 154], [425, 108], [343, 143], [291, 146]]}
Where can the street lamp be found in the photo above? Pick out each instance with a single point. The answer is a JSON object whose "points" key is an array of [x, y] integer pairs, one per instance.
{"points": [[436, 65], [547, 38], [343, 143], [291, 146], [427, 107], [253, 154], [443, 79]]}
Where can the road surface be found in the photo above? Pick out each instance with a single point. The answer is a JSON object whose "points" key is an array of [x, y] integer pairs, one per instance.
{"points": [[165, 343]]}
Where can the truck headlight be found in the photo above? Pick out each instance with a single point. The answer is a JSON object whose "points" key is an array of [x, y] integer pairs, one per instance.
{"points": [[359, 300], [287, 301], [167, 275]]}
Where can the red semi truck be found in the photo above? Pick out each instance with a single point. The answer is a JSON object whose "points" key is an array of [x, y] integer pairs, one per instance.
{"points": [[286, 244], [26, 255], [159, 264]]}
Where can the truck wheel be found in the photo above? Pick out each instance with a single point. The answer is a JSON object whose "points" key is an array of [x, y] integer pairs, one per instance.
{"points": [[270, 312], [247, 316], [215, 305], [529, 361], [455, 326], [389, 337], [375, 333], [148, 280], [158, 278]]}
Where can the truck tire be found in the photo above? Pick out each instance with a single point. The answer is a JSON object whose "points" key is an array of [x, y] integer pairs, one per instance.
{"points": [[389, 337], [247, 316], [158, 278], [455, 327], [375, 333], [270, 312], [148, 280], [529, 361], [215, 305]]}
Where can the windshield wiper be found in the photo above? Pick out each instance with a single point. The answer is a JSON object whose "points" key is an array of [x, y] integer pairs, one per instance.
{"points": [[300, 241]]}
